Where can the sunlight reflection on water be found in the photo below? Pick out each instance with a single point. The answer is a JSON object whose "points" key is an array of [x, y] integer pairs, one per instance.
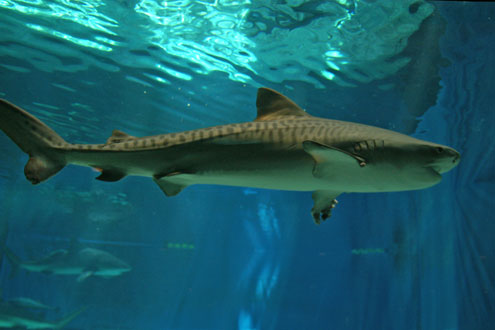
{"points": [[347, 42]]}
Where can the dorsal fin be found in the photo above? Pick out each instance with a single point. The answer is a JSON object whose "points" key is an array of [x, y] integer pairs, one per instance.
{"points": [[119, 136], [272, 105]]}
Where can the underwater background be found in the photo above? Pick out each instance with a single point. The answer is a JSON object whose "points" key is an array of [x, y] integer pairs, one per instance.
{"points": [[218, 257]]}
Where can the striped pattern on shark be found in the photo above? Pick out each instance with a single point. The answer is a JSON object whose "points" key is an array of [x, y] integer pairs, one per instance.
{"points": [[283, 148]]}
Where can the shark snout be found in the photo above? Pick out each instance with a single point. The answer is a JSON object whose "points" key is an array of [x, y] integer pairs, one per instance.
{"points": [[127, 268], [456, 157], [447, 160], [115, 270], [123, 267]]}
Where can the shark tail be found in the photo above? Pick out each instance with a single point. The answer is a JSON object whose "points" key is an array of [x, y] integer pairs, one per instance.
{"points": [[44, 147], [66, 320]]}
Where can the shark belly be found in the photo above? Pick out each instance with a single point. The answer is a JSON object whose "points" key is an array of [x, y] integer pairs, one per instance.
{"points": [[266, 178], [267, 166], [54, 269], [248, 165], [298, 176]]}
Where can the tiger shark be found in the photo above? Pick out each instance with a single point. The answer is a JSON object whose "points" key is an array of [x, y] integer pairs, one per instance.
{"points": [[284, 148]]}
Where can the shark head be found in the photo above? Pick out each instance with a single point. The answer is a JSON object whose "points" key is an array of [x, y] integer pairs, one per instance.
{"points": [[113, 271], [114, 268], [442, 159], [415, 163], [422, 154], [387, 161], [103, 263]]}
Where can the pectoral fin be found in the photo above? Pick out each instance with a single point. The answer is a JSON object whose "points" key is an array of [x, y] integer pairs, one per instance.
{"points": [[329, 159], [110, 175], [171, 183]]}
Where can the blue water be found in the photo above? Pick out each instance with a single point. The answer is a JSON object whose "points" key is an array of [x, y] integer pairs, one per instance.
{"points": [[217, 257]]}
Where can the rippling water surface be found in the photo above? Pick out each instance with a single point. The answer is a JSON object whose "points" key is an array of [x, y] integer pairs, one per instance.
{"points": [[250, 41]]}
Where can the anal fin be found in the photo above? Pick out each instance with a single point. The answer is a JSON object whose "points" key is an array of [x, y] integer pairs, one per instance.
{"points": [[110, 175], [170, 183]]}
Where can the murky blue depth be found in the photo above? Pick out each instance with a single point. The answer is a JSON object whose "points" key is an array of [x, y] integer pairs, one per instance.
{"points": [[217, 257]]}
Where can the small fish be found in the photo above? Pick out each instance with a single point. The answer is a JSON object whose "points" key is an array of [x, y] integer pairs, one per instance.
{"points": [[284, 148], [83, 263]]}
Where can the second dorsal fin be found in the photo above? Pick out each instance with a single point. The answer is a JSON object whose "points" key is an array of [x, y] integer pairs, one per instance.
{"points": [[119, 136], [273, 105]]}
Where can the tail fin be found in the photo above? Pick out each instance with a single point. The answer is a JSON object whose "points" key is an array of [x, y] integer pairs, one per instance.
{"points": [[66, 320], [41, 143]]}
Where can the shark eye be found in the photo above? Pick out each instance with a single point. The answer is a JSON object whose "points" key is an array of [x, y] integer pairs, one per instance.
{"points": [[439, 150]]}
